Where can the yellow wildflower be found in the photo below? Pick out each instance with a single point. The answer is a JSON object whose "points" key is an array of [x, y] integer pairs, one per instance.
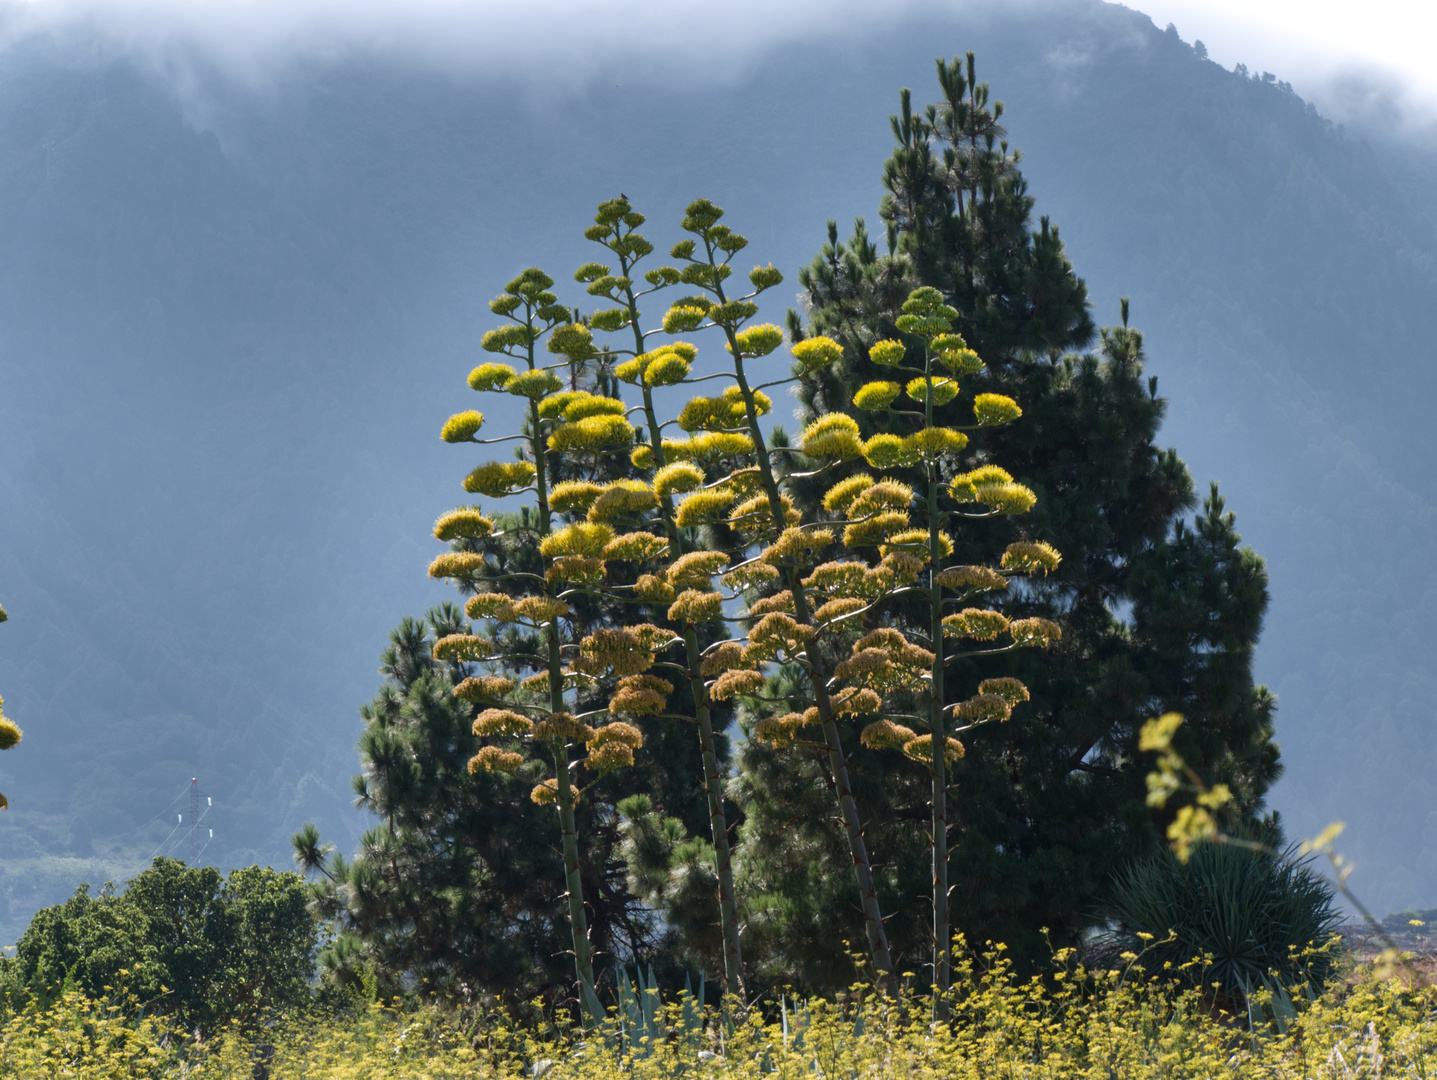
{"points": [[616, 731], [553, 406], [875, 530], [856, 702], [776, 635], [796, 543], [696, 569], [484, 605], [533, 384], [884, 495], [669, 368], [606, 757], [720, 444], [931, 442], [836, 578], [916, 541], [573, 496], [779, 731], [836, 609], [759, 340], [615, 649], [593, 405]]}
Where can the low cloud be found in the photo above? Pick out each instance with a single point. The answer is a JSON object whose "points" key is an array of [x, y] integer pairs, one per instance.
{"points": [[582, 39], [1357, 66]]}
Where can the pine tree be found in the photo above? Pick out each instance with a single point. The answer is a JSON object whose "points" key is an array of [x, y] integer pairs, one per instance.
{"points": [[453, 889], [1156, 614]]}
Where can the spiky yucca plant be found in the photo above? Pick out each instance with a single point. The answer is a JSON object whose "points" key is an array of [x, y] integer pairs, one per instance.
{"points": [[1254, 914]]}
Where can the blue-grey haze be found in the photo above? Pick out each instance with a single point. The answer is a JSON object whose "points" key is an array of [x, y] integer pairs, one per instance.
{"points": [[232, 320]]}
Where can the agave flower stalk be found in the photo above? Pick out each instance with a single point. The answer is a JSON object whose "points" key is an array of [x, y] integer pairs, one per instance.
{"points": [[884, 520], [708, 267], [559, 423], [615, 227]]}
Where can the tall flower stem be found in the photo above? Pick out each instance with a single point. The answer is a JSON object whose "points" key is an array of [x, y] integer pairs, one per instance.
{"points": [[713, 779], [564, 795], [837, 761], [942, 933]]}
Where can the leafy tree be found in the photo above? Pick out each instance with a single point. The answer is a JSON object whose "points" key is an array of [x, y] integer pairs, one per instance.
{"points": [[1157, 613], [184, 941]]}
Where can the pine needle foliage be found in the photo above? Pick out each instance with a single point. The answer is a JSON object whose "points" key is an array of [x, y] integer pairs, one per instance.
{"points": [[1159, 611]]}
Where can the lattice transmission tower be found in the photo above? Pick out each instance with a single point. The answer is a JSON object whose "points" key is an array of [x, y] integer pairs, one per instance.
{"points": [[197, 840]]}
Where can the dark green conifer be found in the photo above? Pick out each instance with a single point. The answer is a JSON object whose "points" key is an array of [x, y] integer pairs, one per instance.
{"points": [[1157, 614]]}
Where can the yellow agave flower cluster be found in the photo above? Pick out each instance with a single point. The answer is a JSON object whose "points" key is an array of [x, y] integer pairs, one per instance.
{"points": [[875, 511], [583, 527]]}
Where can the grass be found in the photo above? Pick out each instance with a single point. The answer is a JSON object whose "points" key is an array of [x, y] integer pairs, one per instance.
{"points": [[1078, 1023]]}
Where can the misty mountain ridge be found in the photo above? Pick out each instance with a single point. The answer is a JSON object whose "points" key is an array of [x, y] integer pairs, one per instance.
{"points": [[233, 318]]}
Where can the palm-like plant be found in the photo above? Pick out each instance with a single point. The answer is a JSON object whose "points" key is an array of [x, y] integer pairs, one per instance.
{"points": [[1248, 915]]}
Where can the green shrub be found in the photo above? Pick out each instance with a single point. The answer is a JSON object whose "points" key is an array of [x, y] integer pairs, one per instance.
{"points": [[1255, 914]]}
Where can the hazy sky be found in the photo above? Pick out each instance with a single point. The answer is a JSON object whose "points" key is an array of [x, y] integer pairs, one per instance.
{"points": [[1323, 47]]}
